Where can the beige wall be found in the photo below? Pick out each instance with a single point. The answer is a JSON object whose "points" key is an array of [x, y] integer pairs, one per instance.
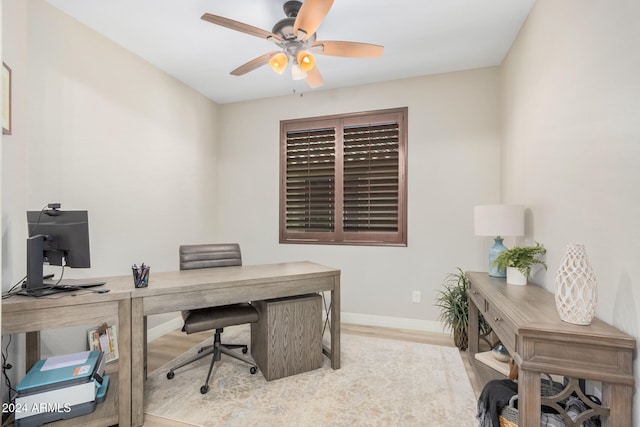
{"points": [[14, 147], [98, 128], [2, 386], [570, 115], [453, 151]]}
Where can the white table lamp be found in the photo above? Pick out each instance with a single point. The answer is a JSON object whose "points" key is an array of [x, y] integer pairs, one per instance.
{"points": [[498, 221]]}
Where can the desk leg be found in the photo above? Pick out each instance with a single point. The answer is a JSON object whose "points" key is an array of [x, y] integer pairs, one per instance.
{"points": [[32, 343], [144, 346], [335, 324], [124, 363], [529, 402], [137, 361]]}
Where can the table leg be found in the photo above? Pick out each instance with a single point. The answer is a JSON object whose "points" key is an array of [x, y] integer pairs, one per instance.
{"points": [[529, 401], [616, 398], [144, 346], [137, 361], [32, 343], [473, 330], [124, 363], [335, 324]]}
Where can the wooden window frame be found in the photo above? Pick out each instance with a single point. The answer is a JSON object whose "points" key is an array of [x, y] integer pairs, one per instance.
{"points": [[338, 236]]}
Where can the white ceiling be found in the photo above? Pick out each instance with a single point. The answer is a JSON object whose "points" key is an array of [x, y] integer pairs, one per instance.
{"points": [[420, 37]]}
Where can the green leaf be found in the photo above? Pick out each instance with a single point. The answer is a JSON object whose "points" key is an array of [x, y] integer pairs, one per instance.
{"points": [[522, 258], [454, 303]]}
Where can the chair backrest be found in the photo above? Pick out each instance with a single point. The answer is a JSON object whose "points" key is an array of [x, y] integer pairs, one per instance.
{"points": [[209, 255]]}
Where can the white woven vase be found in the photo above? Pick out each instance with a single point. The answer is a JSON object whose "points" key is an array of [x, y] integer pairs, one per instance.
{"points": [[576, 287]]}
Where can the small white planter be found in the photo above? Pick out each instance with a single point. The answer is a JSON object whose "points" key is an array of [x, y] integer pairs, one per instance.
{"points": [[515, 277]]}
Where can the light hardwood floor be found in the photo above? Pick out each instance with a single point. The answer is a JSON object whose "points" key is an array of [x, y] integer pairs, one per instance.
{"points": [[171, 345]]}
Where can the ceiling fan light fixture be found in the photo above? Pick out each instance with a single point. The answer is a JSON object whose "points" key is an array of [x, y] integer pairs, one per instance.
{"points": [[297, 73], [306, 60], [279, 62], [295, 37]]}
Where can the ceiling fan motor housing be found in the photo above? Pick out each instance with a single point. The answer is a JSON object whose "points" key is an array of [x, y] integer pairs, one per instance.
{"points": [[291, 8], [284, 27]]}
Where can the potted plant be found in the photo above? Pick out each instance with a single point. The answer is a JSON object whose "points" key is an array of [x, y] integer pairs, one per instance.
{"points": [[518, 262], [454, 308]]}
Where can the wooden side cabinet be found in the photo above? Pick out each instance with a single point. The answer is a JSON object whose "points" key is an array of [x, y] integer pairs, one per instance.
{"points": [[287, 340], [525, 320]]}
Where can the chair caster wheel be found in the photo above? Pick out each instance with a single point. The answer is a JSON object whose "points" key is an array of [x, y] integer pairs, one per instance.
{"points": [[245, 350], [253, 370], [204, 389], [170, 375]]}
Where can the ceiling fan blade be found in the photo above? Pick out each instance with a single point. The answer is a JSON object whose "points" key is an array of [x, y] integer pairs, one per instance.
{"points": [[314, 78], [348, 49], [240, 26], [310, 16], [253, 64]]}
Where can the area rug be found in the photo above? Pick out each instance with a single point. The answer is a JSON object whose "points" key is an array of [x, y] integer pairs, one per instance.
{"points": [[381, 382]]}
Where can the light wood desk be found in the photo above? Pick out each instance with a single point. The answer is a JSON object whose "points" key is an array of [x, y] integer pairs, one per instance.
{"points": [[167, 292], [22, 314], [190, 289]]}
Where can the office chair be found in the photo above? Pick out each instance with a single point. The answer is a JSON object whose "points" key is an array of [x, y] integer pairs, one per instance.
{"points": [[202, 319]]}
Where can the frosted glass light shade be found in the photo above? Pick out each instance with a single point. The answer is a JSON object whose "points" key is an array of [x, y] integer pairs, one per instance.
{"points": [[297, 73], [498, 220]]}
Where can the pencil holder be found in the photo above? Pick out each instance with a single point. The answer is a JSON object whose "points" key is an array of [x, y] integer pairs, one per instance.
{"points": [[140, 276]]}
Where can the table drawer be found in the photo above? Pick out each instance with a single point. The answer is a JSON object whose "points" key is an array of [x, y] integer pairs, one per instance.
{"points": [[502, 326], [477, 298]]}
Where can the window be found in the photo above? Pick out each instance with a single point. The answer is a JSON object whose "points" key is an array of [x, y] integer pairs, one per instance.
{"points": [[343, 179]]}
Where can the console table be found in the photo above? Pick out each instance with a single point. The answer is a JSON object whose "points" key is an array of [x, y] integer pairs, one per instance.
{"points": [[525, 320]]}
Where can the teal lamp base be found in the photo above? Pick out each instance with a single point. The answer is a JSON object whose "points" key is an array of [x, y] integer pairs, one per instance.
{"points": [[495, 250]]}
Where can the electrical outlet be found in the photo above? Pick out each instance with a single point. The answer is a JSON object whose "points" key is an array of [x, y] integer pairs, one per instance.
{"points": [[416, 296]]}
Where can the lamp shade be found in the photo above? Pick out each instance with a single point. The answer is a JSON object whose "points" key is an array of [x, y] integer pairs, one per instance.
{"points": [[306, 60], [279, 62], [498, 220]]}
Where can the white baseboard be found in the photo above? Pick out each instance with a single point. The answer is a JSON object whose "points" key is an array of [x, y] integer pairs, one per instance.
{"points": [[353, 318], [164, 328], [393, 322]]}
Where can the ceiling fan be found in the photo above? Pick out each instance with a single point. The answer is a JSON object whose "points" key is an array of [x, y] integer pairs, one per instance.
{"points": [[296, 36]]}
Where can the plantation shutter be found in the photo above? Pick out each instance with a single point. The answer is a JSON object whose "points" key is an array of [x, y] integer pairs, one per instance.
{"points": [[310, 180], [343, 179], [371, 178]]}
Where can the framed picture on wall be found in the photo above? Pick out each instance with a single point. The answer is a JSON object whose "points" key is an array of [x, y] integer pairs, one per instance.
{"points": [[6, 99]]}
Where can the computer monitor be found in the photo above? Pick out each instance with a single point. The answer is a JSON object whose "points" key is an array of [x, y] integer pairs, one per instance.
{"points": [[56, 237]]}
